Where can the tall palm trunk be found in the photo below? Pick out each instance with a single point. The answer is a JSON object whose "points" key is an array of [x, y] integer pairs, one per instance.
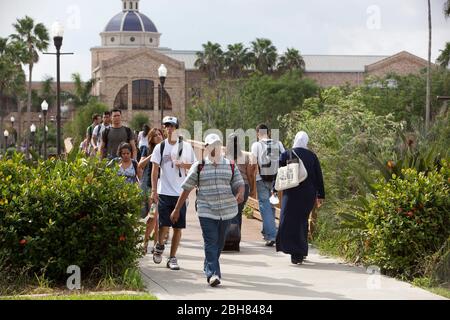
{"points": [[28, 117], [428, 98]]}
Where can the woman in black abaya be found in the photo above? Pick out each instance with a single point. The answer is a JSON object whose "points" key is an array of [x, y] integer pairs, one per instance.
{"points": [[298, 202]]}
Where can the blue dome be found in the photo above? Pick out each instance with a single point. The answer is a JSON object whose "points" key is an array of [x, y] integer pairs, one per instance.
{"points": [[130, 21]]}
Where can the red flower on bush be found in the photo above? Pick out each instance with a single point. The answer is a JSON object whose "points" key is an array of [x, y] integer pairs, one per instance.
{"points": [[23, 242], [122, 238], [410, 214]]}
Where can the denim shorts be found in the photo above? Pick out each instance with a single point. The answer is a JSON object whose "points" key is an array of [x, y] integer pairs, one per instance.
{"points": [[166, 205]]}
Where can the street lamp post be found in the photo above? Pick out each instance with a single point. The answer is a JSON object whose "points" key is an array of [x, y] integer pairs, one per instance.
{"points": [[44, 107], [13, 120], [162, 72], [58, 33], [33, 133], [6, 134]]}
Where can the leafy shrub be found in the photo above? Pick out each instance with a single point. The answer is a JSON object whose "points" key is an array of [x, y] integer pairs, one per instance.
{"points": [[76, 129], [59, 214], [406, 220], [138, 121]]}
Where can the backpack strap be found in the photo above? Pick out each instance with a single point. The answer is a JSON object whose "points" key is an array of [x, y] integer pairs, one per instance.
{"points": [[199, 169], [135, 166], [105, 140], [161, 149], [180, 152], [129, 134], [233, 167]]}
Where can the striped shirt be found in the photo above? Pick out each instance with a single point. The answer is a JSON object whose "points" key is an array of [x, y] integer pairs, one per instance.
{"points": [[215, 199]]}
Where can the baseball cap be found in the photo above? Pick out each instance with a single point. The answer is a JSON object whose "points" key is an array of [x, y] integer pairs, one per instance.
{"points": [[170, 120], [212, 139]]}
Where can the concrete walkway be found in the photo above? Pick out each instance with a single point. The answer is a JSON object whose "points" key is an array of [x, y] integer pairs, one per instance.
{"points": [[259, 273]]}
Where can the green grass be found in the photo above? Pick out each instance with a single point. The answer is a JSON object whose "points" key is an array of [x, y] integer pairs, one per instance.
{"points": [[428, 284], [104, 296]]}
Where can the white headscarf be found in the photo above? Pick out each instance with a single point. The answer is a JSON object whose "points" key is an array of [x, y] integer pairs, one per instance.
{"points": [[301, 140]]}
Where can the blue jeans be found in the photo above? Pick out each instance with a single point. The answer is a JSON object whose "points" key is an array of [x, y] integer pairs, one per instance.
{"points": [[266, 209], [214, 232]]}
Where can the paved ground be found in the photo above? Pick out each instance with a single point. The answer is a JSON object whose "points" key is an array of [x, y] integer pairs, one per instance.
{"points": [[259, 273]]}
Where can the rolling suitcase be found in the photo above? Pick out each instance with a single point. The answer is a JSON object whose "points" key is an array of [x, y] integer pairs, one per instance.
{"points": [[233, 238]]}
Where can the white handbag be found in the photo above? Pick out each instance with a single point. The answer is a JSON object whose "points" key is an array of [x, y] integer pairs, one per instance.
{"points": [[291, 175]]}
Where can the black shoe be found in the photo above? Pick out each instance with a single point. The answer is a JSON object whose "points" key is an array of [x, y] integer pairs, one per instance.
{"points": [[270, 243], [296, 260]]}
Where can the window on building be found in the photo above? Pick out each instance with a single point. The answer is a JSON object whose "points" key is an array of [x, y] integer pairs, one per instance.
{"points": [[131, 5], [124, 6], [151, 40], [143, 95], [167, 100], [137, 6], [121, 101], [112, 39]]}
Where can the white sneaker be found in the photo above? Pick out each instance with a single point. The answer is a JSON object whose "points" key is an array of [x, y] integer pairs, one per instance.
{"points": [[172, 264], [214, 281]]}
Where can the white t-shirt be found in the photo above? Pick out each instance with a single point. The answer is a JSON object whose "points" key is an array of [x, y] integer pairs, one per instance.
{"points": [[170, 181], [98, 132], [142, 141], [259, 147]]}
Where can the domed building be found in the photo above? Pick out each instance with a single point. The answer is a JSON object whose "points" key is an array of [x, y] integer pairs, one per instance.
{"points": [[126, 67]]}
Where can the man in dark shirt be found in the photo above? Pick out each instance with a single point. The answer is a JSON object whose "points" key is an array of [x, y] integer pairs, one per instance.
{"points": [[113, 137]]}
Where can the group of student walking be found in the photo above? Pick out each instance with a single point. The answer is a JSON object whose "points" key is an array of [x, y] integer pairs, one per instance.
{"points": [[168, 171]]}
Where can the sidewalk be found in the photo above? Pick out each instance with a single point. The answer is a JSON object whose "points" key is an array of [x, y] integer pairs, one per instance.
{"points": [[259, 273]]}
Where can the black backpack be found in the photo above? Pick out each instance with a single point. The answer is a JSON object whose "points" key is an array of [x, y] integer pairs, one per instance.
{"points": [[270, 161]]}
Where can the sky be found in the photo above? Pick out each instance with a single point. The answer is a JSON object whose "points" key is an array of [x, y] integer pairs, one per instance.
{"points": [[350, 27]]}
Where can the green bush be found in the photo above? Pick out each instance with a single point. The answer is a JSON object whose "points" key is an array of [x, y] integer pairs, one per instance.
{"points": [[407, 220], [58, 214], [138, 121], [76, 129]]}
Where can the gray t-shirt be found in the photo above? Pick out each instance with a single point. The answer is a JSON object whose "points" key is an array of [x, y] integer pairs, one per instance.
{"points": [[115, 137]]}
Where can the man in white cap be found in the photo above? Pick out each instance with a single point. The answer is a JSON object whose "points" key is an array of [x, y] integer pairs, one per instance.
{"points": [[175, 157], [220, 189]]}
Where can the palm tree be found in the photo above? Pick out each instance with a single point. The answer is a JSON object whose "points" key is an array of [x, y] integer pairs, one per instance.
{"points": [[210, 60], [83, 90], [35, 37], [444, 57], [12, 77], [264, 55], [236, 59], [291, 60], [428, 97], [47, 93]]}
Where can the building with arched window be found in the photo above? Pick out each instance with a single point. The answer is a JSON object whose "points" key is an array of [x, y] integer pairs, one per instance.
{"points": [[126, 67]]}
